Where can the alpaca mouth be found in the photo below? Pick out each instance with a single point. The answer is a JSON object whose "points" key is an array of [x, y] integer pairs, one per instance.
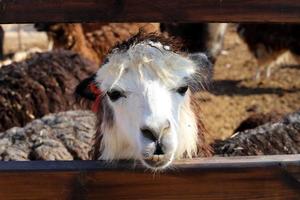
{"points": [[157, 161]]}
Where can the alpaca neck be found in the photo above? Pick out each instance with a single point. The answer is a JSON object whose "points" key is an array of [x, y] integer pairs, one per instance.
{"points": [[188, 131]]}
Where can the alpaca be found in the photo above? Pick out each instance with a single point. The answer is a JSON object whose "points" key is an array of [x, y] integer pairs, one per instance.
{"points": [[268, 41], [281, 137], [57, 136], [144, 99], [42, 84], [258, 119]]}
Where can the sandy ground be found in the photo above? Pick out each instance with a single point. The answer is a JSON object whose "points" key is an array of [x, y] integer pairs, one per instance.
{"points": [[235, 94]]}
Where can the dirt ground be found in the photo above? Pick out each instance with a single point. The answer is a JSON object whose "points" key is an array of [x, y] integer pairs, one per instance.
{"points": [[235, 94]]}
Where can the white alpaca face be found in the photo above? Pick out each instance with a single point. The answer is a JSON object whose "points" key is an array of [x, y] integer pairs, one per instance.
{"points": [[146, 117], [146, 90]]}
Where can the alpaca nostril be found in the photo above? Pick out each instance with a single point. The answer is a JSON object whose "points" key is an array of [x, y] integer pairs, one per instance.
{"points": [[158, 149], [148, 133]]}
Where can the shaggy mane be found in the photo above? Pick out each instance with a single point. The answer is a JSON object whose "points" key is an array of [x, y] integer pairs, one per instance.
{"points": [[173, 43], [203, 147]]}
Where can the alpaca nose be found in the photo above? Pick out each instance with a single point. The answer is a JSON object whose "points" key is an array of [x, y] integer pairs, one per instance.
{"points": [[154, 133], [148, 133]]}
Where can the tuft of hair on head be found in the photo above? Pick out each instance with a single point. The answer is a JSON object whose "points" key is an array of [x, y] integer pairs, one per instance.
{"points": [[199, 81], [169, 43]]}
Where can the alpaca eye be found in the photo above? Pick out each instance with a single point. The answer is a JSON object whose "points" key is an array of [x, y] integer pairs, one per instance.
{"points": [[182, 90], [114, 95]]}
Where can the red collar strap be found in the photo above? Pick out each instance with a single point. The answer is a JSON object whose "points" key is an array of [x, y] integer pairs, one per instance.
{"points": [[97, 92]]}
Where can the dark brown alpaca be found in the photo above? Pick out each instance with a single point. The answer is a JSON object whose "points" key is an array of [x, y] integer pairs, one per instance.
{"points": [[40, 85], [268, 41]]}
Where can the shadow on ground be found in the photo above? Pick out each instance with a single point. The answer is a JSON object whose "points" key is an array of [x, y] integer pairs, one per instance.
{"points": [[233, 87]]}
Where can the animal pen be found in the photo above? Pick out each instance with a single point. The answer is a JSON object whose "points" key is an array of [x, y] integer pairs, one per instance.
{"points": [[259, 177]]}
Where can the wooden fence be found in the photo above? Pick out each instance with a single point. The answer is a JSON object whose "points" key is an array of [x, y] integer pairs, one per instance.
{"points": [[264, 178], [261, 177], [17, 11]]}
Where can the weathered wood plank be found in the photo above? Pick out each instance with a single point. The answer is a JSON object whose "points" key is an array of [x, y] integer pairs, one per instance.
{"points": [[21, 11], [265, 178], [199, 163]]}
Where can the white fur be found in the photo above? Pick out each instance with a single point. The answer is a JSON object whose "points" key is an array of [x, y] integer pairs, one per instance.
{"points": [[149, 75]]}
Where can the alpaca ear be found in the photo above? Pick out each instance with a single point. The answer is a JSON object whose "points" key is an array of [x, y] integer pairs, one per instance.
{"points": [[201, 60], [205, 67], [87, 89]]}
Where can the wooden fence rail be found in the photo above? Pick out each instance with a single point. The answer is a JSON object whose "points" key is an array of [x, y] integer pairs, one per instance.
{"points": [[263, 177], [21, 11]]}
